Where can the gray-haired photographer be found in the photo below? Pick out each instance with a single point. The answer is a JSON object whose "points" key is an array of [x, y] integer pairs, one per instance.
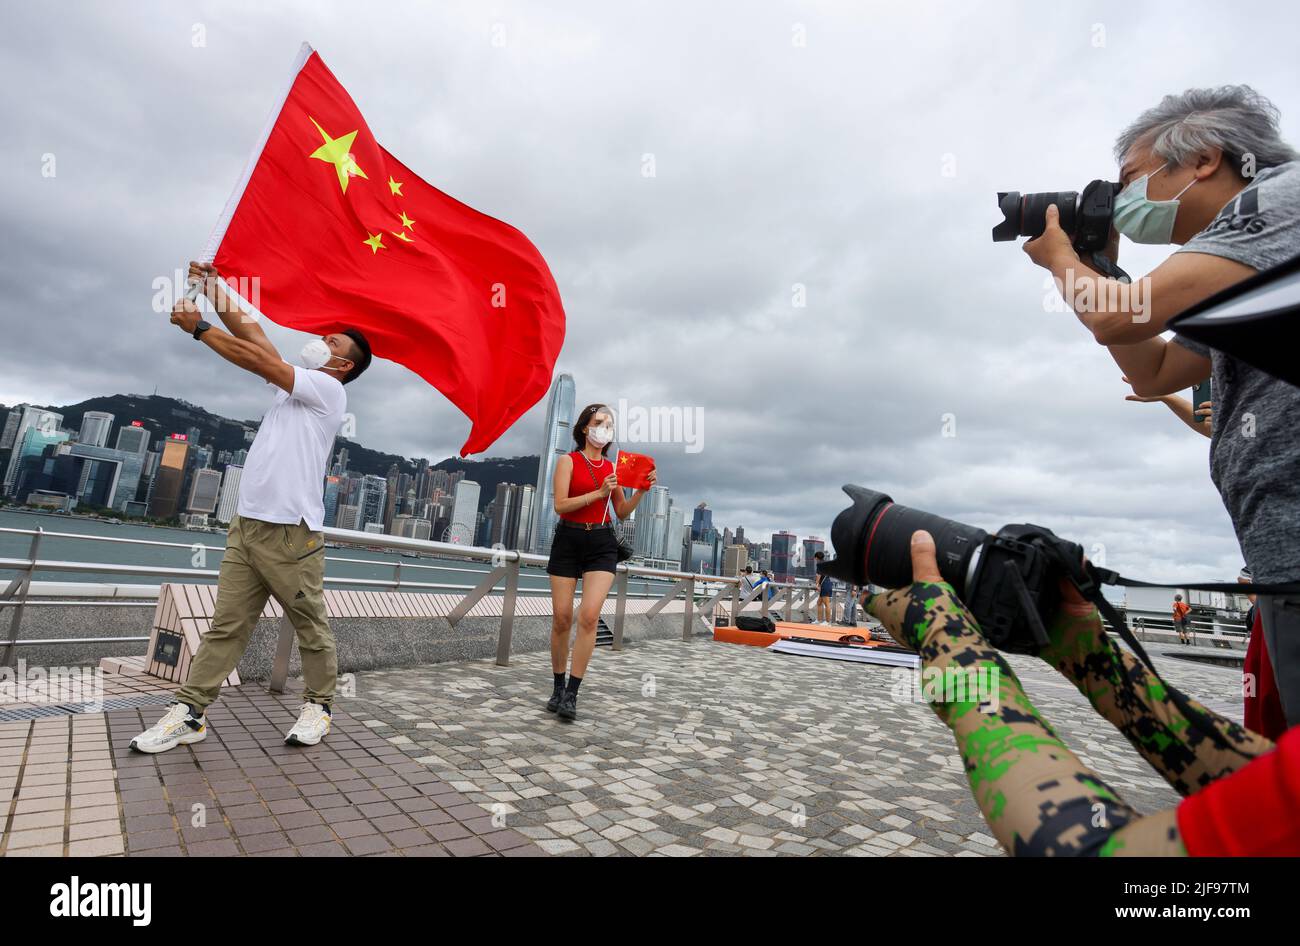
{"points": [[1206, 170]]}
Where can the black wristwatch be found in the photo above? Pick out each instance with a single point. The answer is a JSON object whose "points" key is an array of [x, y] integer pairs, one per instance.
{"points": [[200, 329]]}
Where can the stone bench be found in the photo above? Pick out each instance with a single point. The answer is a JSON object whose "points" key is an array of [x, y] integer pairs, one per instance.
{"points": [[379, 629]]}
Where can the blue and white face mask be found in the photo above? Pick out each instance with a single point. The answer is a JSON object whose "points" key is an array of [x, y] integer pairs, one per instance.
{"points": [[1143, 220]]}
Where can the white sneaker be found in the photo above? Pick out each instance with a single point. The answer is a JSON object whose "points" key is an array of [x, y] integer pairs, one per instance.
{"points": [[313, 723], [177, 727]]}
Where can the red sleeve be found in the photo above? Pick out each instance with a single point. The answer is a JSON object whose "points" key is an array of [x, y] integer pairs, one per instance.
{"points": [[1254, 811]]}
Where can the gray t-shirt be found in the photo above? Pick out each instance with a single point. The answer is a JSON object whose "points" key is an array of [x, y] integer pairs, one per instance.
{"points": [[1255, 451]]}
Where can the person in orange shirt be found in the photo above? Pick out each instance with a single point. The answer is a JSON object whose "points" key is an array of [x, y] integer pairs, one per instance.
{"points": [[1181, 610]]}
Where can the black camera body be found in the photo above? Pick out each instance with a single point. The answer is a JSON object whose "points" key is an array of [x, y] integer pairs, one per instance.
{"points": [[1009, 581], [1085, 216]]}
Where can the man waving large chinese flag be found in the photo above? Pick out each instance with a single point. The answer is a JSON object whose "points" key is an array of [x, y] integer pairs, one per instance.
{"points": [[331, 230]]}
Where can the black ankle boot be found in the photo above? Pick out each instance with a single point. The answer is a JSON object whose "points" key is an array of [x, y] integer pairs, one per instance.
{"points": [[568, 705], [553, 703]]}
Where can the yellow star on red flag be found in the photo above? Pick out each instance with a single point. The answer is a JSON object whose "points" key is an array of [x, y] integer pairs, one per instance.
{"points": [[338, 152]]}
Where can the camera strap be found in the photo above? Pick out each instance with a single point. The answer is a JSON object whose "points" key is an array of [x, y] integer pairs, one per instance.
{"points": [[1232, 587]]}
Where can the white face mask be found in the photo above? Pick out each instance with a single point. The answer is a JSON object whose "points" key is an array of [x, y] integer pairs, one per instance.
{"points": [[316, 354], [600, 435]]}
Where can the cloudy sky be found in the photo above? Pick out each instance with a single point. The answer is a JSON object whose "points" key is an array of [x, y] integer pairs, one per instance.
{"points": [[855, 152]]}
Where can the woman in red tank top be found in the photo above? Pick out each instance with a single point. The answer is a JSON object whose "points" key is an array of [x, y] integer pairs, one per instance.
{"points": [[588, 501]]}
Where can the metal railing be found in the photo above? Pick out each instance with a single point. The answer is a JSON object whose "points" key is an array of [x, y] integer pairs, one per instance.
{"points": [[701, 593], [1220, 633]]}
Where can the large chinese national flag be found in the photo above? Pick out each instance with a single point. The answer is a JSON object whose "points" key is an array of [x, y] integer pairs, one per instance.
{"points": [[331, 231]]}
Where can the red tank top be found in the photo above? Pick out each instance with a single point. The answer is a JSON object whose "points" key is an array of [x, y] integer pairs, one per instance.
{"points": [[582, 481]]}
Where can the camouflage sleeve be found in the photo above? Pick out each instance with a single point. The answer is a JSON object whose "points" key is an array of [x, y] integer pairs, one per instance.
{"points": [[1140, 706], [1036, 795]]}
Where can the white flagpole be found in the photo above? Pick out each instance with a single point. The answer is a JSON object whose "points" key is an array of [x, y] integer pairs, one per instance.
{"points": [[223, 222]]}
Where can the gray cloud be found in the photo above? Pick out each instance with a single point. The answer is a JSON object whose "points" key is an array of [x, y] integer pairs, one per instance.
{"points": [[775, 165]]}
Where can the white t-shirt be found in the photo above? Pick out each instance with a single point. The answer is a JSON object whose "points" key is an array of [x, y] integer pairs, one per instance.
{"points": [[284, 477]]}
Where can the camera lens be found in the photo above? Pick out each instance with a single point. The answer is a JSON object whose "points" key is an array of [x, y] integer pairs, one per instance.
{"points": [[1026, 214], [888, 551], [873, 542]]}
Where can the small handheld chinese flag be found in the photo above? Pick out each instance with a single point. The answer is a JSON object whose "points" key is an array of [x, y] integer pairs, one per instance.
{"points": [[633, 470], [331, 231]]}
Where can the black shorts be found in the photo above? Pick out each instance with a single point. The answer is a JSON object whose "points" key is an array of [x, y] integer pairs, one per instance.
{"points": [[574, 551]]}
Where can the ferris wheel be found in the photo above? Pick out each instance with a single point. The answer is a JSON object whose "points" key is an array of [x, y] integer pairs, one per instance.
{"points": [[456, 534]]}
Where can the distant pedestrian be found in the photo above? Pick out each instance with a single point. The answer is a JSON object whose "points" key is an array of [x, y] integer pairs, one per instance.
{"points": [[825, 592], [1181, 610], [851, 606]]}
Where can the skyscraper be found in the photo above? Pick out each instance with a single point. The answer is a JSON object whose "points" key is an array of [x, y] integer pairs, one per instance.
{"points": [[675, 542], [557, 440], [392, 497], [331, 498], [95, 426], [783, 555], [165, 494], [702, 521], [348, 517], [734, 560], [651, 539], [811, 546], [133, 438], [204, 492], [411, 527], [127, 478], [523, 537], [10, 432], [464, 514], [229, 503], [46, 422], [32, 458], [374, 493], [498, 512]]}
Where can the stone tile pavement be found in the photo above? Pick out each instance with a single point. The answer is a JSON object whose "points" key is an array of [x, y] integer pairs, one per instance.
{"points": [[705, 748], [680, 749], [69, 785]]}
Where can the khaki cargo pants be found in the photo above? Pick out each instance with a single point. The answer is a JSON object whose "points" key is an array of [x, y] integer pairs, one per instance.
{"points": [[266, 559]]}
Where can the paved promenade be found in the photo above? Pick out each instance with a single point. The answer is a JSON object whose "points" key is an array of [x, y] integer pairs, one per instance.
{"points": [[679, 749]]}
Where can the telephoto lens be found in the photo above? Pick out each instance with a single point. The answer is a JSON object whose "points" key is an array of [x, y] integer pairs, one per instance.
{"points": [[873, 543]]}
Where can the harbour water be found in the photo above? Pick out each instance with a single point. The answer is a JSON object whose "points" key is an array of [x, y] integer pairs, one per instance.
{"points": [[205, 549]]}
